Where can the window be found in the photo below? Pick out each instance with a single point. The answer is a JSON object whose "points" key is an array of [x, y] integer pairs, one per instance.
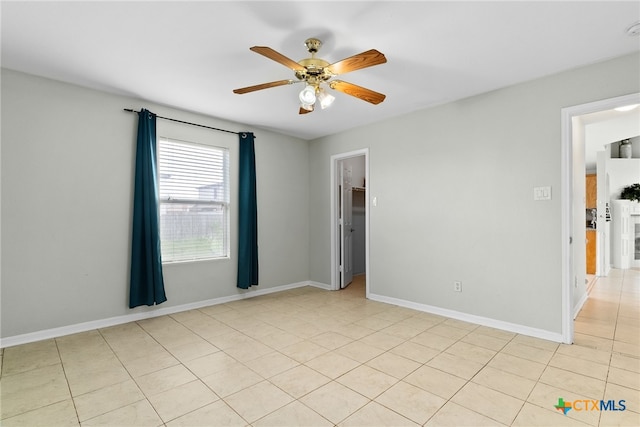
{"points": [[194, 201]]}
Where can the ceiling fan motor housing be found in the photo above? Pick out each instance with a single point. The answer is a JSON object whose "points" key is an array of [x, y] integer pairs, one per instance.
{"points": [[315, 70]]}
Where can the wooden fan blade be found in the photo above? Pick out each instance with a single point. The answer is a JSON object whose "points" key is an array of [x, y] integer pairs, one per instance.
{"points": [[356, 62], [263, 86], [303, 111], [357, 91], [278, 57]]}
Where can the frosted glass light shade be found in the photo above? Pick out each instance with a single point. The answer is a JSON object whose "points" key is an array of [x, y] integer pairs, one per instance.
{"points": [[308, 95]]}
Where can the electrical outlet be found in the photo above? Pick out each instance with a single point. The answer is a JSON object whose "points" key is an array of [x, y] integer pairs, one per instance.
{"points": [[457, 286]]}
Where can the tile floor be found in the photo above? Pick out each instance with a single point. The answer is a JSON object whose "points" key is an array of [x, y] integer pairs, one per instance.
{"points": [[308, 357]]}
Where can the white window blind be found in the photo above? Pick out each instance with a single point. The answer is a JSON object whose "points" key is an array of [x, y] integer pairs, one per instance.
{"points": [[194, 201]]}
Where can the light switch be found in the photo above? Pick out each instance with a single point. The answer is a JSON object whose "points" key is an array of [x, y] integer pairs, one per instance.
{"points": [[542, 193], [375, 201]]}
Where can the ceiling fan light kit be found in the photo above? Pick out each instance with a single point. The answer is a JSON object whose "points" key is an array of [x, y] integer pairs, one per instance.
{"points": [[315, 72]]}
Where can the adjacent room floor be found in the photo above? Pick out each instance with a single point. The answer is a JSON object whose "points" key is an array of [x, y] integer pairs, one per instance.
{"points": [[309, 357]]}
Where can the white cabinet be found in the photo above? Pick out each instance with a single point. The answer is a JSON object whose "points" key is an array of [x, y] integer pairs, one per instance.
{"points": [[621, 236]]}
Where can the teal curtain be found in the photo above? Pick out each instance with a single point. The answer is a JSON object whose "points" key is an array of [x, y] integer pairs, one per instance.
{"points": [[247, 214], [146, 286]]}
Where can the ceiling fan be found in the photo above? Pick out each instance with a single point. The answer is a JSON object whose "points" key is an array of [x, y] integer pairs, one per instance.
{"points": [[315, 72]]}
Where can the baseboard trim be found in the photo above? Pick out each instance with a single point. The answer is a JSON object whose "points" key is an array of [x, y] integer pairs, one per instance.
{"points": [[320, 285], [150, 312], [580, 304], [478, 320]]}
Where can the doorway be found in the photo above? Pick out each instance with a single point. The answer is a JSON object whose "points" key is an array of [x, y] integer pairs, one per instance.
{"points": [[573, 214], [350, 219]]}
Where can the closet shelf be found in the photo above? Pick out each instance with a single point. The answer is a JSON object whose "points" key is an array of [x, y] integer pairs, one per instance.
{"points": [[358, 188]]}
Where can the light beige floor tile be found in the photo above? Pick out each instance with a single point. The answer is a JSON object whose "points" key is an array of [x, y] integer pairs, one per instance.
{"points": [[367, 381], [139, 414], [229, 339], [331, 340], [627, 333], [410, 401], [374, 323], [332, 364], [271, 364], [26, 357], [447, 331], [625, 362], [247, 351], [453, 415], [402, 330], [415, 351], [258, 400], [303, 351], [485, 341], [580, 384], [595, 328], [354, 331], [597, 343], [130, 341], [585, 352], [455, 365], [360, 351], [626, 418], [94, 374], [528, 352], [624, 378], [214, 414], [580, 366], [626, 349], [295, 414], [546, 396], [299, 381], [434, 341], [164, 380], [460, 324], [435, 381], [490, 403], [471, 352], [334, 401], [504, 382], [210, 364], [497, 333], [382, 340], [532, 416], [107, 399], [232, 379], [280, 340], [181, 400], [33, 389], [82, 345], [518, 366], [302, 329], [536, 342], [176, 336], [393, 364], [149, 363], [61, 414], [374, 414], [193, 350], [630, 396]]}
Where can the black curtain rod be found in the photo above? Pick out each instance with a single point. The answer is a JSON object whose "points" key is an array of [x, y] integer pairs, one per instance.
{"points": [[186, 123]]}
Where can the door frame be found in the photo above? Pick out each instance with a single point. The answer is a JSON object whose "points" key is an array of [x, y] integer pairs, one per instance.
{"points": [[567, 169], [336, 159]]}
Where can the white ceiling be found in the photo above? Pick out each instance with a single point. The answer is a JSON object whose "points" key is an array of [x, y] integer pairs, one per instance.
{"points": [[191, 55]]}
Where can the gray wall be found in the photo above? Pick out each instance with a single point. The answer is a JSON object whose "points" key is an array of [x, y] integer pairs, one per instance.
{"points": [[454, 185], [67, 166]]}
